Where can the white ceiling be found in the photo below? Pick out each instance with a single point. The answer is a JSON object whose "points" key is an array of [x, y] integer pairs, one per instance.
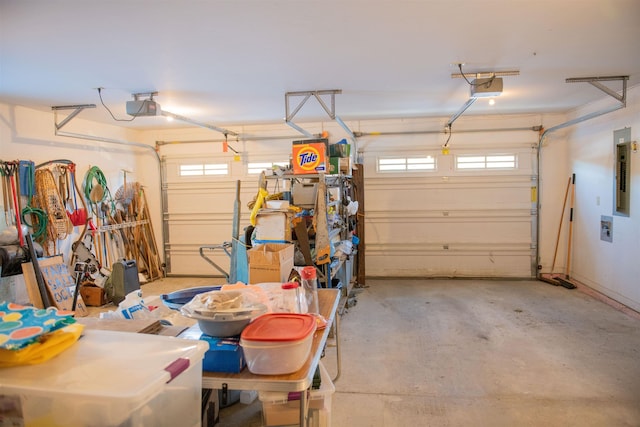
{"points": [[228, 63]]}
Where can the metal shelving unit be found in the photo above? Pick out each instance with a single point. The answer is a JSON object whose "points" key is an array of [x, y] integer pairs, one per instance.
{"points": [[340, 266]]}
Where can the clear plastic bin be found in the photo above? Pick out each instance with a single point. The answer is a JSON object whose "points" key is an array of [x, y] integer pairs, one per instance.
{"points": [[109, 379], [278, 343], [278, 409]]}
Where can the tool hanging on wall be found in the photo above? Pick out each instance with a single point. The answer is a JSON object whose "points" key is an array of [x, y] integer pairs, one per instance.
{"points": [[6, 170], [9, 171], [77, 215], [48, 198], [97, 192], [32, 216]]}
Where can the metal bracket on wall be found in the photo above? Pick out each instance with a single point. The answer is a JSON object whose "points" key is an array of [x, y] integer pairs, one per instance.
{"points": [[595, 81], [77, 109], [317, 94]]}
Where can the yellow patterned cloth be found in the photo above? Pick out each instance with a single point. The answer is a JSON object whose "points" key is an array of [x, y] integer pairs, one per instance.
{"points": [[48, 346], [29, 335]]}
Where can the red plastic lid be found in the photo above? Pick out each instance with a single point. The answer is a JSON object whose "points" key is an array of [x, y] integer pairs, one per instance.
{"points": [[308, 272], [289, 285], [280, 327]]}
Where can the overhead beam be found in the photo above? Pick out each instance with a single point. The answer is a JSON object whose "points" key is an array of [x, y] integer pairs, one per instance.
{"points": [[197, 123]]}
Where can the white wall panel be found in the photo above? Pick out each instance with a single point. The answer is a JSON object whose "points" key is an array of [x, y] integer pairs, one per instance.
{"points": [[609, 267]]}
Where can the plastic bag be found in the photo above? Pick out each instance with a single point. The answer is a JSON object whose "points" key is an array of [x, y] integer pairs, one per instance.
{"points": [[132, 307], [237, 299]]}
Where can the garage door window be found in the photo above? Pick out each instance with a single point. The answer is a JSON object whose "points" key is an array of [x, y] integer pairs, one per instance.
{"points": [[406, 164], [206, 169], [257, 167], [493, 161]]}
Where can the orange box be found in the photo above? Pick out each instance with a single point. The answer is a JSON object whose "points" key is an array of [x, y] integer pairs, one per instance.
{"points": [[309, 158]]}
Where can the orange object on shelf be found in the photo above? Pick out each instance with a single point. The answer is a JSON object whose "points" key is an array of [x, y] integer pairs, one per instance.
{"points": [[309, 158]]}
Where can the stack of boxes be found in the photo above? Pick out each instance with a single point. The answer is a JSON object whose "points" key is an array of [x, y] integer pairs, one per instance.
{"points": [[340, 158]]}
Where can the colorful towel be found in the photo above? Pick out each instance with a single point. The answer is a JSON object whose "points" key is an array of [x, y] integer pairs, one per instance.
{"points": [[21, 326]]}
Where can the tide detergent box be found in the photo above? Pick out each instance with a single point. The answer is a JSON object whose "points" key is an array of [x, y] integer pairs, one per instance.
{"points": [[309, 157]]}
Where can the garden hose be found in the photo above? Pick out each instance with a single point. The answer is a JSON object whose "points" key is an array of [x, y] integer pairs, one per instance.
{"points": [[95, 174], [96, 177]]}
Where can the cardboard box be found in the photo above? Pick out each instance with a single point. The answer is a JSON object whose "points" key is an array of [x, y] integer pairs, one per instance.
{"points": [[340, 165], [272, 225], [92, 295], [58, 281], [309, 158], [304, 194], [271, 262], [282, 408]]}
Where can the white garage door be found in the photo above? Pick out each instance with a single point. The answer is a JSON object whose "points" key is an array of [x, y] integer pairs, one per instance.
{"points": [[470, 213], [199, 191], [466, 214]]}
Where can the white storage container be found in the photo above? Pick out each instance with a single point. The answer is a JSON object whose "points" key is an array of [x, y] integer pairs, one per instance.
{"points": [[278, 343], [109, 379], [280, 408]]}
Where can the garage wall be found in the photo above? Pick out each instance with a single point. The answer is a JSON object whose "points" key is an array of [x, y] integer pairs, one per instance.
{"points": [[586, 149], [27, 134], [610, 267]]}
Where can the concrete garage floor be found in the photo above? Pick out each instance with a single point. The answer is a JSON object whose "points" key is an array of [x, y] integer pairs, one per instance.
{"points": [[475, 353], [486, 353]]}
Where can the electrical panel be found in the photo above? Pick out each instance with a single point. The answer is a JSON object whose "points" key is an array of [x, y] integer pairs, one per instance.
{"points": [[622, 193]]}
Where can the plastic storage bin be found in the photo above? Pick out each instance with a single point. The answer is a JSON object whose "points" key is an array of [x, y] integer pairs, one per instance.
{"points": [[279, 408], [278, 343], [109, 379]]}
